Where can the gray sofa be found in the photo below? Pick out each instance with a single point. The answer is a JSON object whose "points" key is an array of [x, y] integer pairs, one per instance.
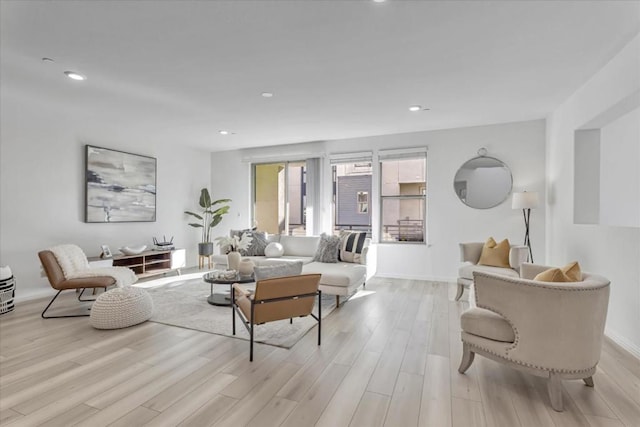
{"points": [[339, 279]]}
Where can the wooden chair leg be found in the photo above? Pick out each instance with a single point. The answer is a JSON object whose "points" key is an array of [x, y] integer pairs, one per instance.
{"points": [[337, 300], [467, 358], [554, 387], [460, 291], [588, 381]]}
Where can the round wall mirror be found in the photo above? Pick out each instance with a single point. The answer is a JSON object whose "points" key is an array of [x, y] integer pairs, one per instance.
{"points": [[483, 182]]}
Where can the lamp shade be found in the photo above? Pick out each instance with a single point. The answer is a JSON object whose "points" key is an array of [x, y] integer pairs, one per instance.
{"points": [[525, 200]]}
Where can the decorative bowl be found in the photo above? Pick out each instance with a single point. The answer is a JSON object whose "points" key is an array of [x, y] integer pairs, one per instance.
{"points": [[228, 274], [135, 250]]}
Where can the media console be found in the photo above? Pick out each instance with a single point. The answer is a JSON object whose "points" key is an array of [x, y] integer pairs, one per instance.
{"points": [[146, 263]]}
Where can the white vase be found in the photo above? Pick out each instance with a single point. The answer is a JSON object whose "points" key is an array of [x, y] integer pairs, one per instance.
{"points": [[246, 267], [233, 260]]}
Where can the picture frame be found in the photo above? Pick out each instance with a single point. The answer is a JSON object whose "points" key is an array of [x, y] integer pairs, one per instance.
{"points": [[106, 252], [119, 186]]}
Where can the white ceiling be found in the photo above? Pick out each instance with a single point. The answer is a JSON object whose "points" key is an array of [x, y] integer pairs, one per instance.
{"points": [[177, 72]]}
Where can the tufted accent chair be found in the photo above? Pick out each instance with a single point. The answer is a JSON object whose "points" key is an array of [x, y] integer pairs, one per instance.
{"points": [[470, 255], [552, 330]]}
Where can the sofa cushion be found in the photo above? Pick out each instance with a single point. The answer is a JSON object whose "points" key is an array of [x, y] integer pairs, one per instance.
{"points": [[495, 254], [467, 269], [259, 242], [487, 324], [282, 259], [285, 269], [327, 249], [339, 274], [351, 246], [299, 245]]}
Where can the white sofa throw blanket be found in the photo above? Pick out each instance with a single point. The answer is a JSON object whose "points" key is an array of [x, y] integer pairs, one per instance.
{"points": [[74, 265]]}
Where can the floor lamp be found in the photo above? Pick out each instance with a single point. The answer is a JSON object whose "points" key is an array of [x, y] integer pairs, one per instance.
{"points": [[526, 201]]}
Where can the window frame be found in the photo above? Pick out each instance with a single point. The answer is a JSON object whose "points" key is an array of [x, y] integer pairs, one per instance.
{"points": [[398, 155]]}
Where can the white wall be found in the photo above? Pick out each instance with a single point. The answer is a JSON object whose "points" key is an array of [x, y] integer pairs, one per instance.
{"points": [[519, 145], [42, 191], [620, 171], [611, 251]]}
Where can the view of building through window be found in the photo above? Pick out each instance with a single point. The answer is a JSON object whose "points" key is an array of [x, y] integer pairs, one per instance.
{"points": [[351, 190], [403, 196], [280, 197]]}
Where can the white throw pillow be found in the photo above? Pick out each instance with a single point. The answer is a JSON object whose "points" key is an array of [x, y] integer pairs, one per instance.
{"points": [[286, 269], [274, 250]]}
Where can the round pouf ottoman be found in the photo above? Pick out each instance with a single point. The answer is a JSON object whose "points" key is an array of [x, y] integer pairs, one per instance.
{"points": [[121, 308]]}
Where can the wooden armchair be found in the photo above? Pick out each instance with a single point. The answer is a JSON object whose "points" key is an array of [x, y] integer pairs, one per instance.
{"points": [[60, 283], [276, 299]]}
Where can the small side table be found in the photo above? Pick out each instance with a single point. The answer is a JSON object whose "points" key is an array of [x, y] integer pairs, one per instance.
{"points": [[202, 258], [223, 298]]}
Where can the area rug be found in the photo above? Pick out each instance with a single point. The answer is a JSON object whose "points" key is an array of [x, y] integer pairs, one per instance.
{"points": [[183, 303]]}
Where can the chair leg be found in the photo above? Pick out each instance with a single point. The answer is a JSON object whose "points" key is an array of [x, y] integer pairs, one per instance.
{"points": [[588, 381], [554, 387], [59, 317], [467, 358], [291, 320], [251, 343], [233, 311], [319, 315], [460, 291], [337, 301], [82, 292]]}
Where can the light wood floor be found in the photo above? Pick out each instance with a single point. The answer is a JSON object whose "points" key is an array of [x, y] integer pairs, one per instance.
{"points": [[388, 357]]}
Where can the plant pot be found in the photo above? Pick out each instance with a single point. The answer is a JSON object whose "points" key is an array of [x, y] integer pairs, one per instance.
{"points": [[233, 260], [205, 249]]}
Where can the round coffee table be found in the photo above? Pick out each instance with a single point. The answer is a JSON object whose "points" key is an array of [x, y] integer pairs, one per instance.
{"points": [[223, 298]]}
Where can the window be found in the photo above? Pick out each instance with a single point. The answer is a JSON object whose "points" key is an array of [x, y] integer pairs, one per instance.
{"points": [[363, 202], [280, 197], [352, 174], [403, 191]]}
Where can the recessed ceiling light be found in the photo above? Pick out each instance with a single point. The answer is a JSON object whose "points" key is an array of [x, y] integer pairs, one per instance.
{"points": [[75, 76], [224, 132], [415, 108], [267, 94], [379, 1]]}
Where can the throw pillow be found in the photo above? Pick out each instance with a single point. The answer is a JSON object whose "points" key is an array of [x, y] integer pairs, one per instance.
{"points": [[289, 268], [495, 254], [259, 242], [327, 249], [569, 273], [351, 246], [274, 250], [572, 270]]}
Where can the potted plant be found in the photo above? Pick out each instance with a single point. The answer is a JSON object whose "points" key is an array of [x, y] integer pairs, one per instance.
{"points": [[209, 218]]}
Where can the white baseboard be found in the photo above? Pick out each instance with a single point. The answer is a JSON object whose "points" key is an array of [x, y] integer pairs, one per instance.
{"points": [[413, 277], [623, 342]]}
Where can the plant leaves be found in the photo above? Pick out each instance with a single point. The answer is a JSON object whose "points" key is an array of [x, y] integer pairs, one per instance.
{"points": [[196, 225], [221, 201], [193, 214], [221, 211], [205, 198]]}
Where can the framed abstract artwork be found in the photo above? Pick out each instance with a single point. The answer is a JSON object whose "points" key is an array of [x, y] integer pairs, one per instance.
{"points": [[120, 186]]}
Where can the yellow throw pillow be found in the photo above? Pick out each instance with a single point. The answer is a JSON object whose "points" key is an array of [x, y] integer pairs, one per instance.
{"points": [[495, 254], [569, 273], [572, 270]]}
